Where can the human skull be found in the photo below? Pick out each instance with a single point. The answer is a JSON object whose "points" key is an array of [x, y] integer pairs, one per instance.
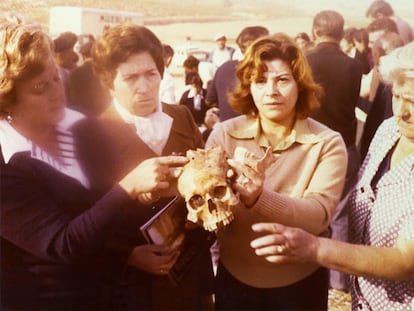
{"points": [[205, 185]]}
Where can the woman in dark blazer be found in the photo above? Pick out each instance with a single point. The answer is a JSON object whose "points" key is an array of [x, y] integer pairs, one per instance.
{"points": [[58, 212], [194, 99], [128, 59]]}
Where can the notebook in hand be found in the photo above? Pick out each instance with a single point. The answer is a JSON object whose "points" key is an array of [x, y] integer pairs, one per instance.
{"points": [[168, 227]]}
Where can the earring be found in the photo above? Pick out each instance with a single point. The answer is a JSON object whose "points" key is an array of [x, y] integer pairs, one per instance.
{"points": [[9, 118]]}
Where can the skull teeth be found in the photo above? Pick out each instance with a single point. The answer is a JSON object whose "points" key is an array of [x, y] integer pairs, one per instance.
{"points": [[221, 221]]}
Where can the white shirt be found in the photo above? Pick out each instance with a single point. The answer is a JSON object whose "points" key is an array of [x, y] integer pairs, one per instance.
{"points": [[167, 88], [221, 56], [197, 98], [12, 142]]}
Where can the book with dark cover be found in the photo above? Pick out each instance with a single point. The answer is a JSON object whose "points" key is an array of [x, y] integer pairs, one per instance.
{"points": [[168, 227]]}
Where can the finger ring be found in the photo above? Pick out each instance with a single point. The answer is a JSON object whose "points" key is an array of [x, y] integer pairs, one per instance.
{"points": [[244, 180], [280, 249]]}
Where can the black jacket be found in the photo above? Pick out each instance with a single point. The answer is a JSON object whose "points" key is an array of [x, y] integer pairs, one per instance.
{"points": [[340, 77]]}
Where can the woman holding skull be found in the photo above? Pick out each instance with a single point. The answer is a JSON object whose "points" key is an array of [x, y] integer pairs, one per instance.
{"points": [[300, 188], [381, 208]]}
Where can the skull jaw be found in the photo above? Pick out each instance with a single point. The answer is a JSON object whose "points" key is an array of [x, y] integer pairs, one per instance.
{"points": [[207, 189], [212, 221], [222, 223]]}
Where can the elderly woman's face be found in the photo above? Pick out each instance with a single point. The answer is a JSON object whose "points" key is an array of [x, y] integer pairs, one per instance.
{"points": [[403, 107], [276, 93], [137, 83], [40, 100]]}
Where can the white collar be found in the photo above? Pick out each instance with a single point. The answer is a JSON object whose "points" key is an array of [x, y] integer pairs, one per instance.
{"points": [[153, 129], [124, 114], [12, 141], [192, 93]]}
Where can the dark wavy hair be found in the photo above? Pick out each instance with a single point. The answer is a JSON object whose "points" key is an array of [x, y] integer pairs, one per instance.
{"points": [[252, 68], [118, 43]]}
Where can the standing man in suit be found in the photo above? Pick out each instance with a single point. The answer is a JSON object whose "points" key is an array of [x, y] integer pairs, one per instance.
{"points": [[340, 77]]}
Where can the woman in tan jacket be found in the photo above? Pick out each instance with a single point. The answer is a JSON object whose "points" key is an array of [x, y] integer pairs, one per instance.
{"points": [[381, 209], [301, 188]]}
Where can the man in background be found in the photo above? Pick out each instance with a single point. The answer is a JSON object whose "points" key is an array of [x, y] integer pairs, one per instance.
{"points": [[225, 76], [340, 77], [84, 90], [65, 56], [221, 53], [380, 9], [167, 87]]}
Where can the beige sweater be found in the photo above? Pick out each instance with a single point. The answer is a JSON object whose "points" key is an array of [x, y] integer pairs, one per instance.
{"points": [[302, 189]]}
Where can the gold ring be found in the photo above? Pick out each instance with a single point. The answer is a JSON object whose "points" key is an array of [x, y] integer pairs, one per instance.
{"points": [[280, 249]]}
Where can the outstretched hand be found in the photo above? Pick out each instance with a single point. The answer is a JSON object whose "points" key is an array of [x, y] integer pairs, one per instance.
{"points": [[152, 175], [281, 244]]}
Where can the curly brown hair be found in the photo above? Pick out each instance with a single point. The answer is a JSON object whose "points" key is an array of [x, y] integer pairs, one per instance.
{"points": [[24, 51], [252, 68], [118, 43]]}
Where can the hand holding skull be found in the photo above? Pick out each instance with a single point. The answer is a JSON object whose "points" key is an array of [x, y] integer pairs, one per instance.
{"points": [[208, 189], [250, 174]]}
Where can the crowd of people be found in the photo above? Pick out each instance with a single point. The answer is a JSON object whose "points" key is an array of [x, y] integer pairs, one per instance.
{"points": [[93, 138]]}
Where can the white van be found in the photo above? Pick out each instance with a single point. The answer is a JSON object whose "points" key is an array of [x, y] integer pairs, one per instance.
{"points": [[81, 20]]}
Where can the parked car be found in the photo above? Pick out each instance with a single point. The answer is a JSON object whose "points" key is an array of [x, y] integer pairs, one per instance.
{"points": [[181, 54]]}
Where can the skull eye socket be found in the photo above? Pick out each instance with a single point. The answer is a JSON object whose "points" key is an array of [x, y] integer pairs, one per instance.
{"points": [[196, 201], [219, 192]]}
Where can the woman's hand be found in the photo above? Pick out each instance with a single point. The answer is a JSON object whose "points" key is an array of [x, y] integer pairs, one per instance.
{"points": [[154, 259], [153, 175], [281, 244], [249, 181]]}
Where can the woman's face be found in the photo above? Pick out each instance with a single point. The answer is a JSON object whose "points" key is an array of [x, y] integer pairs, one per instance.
{"points": [[403, 107], [137, 83], [276, 93], [40, 100]]}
